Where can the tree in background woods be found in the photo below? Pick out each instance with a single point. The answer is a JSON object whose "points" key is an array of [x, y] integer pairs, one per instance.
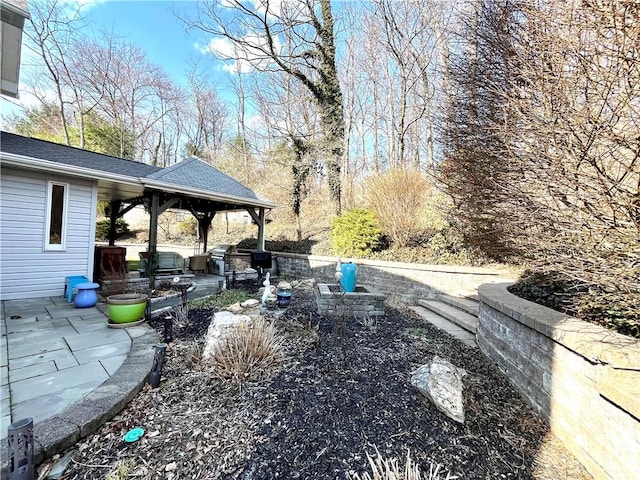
{"points": [[297, 39], [473, 171], [545, 141], [99, 135], [104, 86]]}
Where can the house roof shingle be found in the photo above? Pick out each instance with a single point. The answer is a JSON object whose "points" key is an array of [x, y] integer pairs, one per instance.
{"points": [[76, 157], [191, 173], [195, 173]]}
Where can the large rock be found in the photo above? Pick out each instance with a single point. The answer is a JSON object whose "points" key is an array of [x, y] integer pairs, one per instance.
{"points": [[441, 382], [219, 328]]}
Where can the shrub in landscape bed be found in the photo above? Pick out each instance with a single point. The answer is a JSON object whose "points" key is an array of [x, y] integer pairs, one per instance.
{"points": [[356, 233], [247, 351], [398, 198]]}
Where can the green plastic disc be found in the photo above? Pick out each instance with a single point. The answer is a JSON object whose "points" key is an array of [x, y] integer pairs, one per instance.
{"points": [[134, 435]]}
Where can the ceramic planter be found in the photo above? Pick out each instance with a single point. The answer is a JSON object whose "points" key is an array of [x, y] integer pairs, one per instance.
{"points": [[126, 307], [284, 299]]}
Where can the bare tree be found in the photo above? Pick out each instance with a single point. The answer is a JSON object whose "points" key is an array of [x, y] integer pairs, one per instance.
{"points": [[127, 89], [53, 25], [546, 143], [291, 119], [392, 74], [292, 37]]}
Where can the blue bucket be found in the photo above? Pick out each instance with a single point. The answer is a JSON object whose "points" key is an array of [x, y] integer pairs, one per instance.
{"points": [[349, 277]]}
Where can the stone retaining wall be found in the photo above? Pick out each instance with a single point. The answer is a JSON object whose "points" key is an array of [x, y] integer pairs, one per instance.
{"points": [[408, 281], [583, 379]]}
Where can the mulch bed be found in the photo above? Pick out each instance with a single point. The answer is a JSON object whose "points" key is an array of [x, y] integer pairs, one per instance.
{"points": [[339, 395]]}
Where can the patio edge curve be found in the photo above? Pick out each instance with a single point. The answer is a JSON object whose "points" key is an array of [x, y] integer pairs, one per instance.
{"points": [[63, 430]]}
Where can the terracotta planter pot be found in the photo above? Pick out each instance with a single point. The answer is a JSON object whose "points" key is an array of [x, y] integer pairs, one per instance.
{"points": [[126, 307]]}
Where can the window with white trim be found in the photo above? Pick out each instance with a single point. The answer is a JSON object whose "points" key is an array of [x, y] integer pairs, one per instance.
{"points": [[56, 221]]}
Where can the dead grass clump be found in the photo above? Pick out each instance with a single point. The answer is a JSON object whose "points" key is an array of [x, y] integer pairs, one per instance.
{"points": [[251, 350], [389, 469]]}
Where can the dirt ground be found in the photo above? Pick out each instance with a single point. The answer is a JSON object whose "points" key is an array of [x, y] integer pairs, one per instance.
{"points": [[338, 395]]}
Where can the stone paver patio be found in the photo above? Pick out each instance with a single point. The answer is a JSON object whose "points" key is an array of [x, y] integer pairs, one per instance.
{"points": [[53, 354]]}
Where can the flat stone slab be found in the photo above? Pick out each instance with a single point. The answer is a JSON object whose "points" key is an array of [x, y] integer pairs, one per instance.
{"points": [[103, 352], [41, 347], [62, 357], [28, 325], [18, 374], [62, 380], [112, 364], [88, 340]]}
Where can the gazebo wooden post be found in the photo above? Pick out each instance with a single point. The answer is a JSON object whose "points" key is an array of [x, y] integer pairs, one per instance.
{"points": [[259, 219], [152, 261], [204, 223], [114, 214]]}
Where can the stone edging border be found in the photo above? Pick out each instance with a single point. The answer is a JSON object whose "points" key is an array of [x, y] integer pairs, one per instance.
{"points": [[392, 265], [56, 434]]}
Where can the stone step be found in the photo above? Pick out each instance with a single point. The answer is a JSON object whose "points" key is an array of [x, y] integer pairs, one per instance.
{"points": [[457, 316], [443, 324], [466, 304], [470, 294]]}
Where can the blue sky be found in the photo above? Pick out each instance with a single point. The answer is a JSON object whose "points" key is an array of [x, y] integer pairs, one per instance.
{"points": [[154, 27]]}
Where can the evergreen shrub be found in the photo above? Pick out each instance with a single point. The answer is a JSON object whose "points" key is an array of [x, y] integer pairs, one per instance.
{"points": [[356, 233], [102, 229]]}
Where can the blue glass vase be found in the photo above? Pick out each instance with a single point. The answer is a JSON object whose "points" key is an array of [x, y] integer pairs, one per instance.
{"points": [[349, 277]]}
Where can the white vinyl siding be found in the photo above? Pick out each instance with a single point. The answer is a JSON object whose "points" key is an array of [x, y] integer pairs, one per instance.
{"points": [[26, 269]]}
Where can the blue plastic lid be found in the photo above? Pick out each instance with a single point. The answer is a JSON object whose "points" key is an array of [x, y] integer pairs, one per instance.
{"points": [[86, 286], [134, 435]]}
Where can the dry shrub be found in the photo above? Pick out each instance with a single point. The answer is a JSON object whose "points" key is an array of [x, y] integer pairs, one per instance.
{"points": [[247, 351], [193, 356], [389, 469], [398, 198]]}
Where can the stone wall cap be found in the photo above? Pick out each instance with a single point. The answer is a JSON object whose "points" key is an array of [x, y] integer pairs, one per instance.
{"points": [[592, 341], [385, 264]]}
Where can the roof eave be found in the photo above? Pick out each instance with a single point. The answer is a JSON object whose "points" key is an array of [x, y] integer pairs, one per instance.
{"points": [[196, 192], [23, 12]]}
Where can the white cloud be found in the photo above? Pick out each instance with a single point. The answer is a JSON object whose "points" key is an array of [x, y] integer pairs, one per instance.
{"points": [[236, 66], [218, 46], [83, 5], [238, 58]]}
